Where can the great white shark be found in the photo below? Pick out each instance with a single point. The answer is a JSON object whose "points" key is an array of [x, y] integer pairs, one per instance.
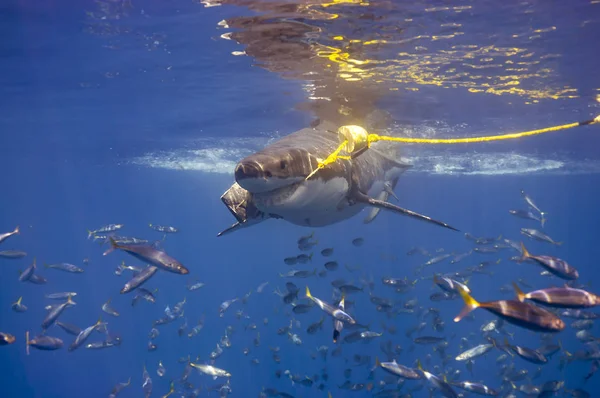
{"points": [[272, 183]]}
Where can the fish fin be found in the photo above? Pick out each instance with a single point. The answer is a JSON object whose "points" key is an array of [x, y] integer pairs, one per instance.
{"points": [[543, 219], [231, 228], [419, 366], [70, 300], [90, 233], [113, 246], [360, 197], [157, 244], [525, 255], [308, 295], [19, 300], [470, 305], [27, 342], [519, 292], [558, 243], [17, 231], [388, 188]]}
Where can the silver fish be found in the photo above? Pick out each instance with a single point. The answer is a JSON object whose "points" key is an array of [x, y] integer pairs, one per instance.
{"points": [[7, 235], [105, 229], [65, 267], [55, 312], [12, 254], [108, 309], [537, 235], [530, 202], [139, 279], [149, 254]]}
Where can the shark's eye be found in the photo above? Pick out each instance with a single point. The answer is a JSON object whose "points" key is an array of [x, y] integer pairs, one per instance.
{"points": [[283, 164], [268, 174]]}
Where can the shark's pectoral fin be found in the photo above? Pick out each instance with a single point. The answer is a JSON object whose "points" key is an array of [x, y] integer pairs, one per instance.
{"points": [[232, 228], [362, 198], [388, 187], [374, 211]]}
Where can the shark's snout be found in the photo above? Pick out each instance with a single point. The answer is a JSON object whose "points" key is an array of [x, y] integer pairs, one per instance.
{"points": [[252, 177], [245, 171]]}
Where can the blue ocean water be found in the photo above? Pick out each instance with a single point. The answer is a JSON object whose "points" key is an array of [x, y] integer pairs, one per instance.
{"points": [[137, 112]]}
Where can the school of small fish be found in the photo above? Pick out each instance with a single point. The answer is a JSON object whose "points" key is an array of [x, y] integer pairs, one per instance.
{"points": [[383, 372]]}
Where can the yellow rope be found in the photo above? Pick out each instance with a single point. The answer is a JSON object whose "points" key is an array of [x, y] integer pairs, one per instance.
{"points": [[330, 159], [354, 134]]}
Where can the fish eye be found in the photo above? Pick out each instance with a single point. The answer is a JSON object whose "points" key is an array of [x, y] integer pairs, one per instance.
{"points": [[268, 174], [283, 164]]}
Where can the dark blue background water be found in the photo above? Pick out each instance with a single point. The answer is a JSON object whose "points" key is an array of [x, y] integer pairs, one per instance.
{"points": [[64, 155]]}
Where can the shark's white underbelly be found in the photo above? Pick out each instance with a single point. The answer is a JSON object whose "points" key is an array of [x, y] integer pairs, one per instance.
{"points": [[314, 202]]}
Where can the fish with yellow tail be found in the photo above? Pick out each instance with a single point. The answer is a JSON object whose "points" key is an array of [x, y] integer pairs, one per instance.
{"points": [[525, 315], [336, 313], [171, 390], [18, 306], [443, 387], [6, 338], [554, 265], [42, 342], [338, 325], [560, 297], [55, 311], [84, 334]]}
